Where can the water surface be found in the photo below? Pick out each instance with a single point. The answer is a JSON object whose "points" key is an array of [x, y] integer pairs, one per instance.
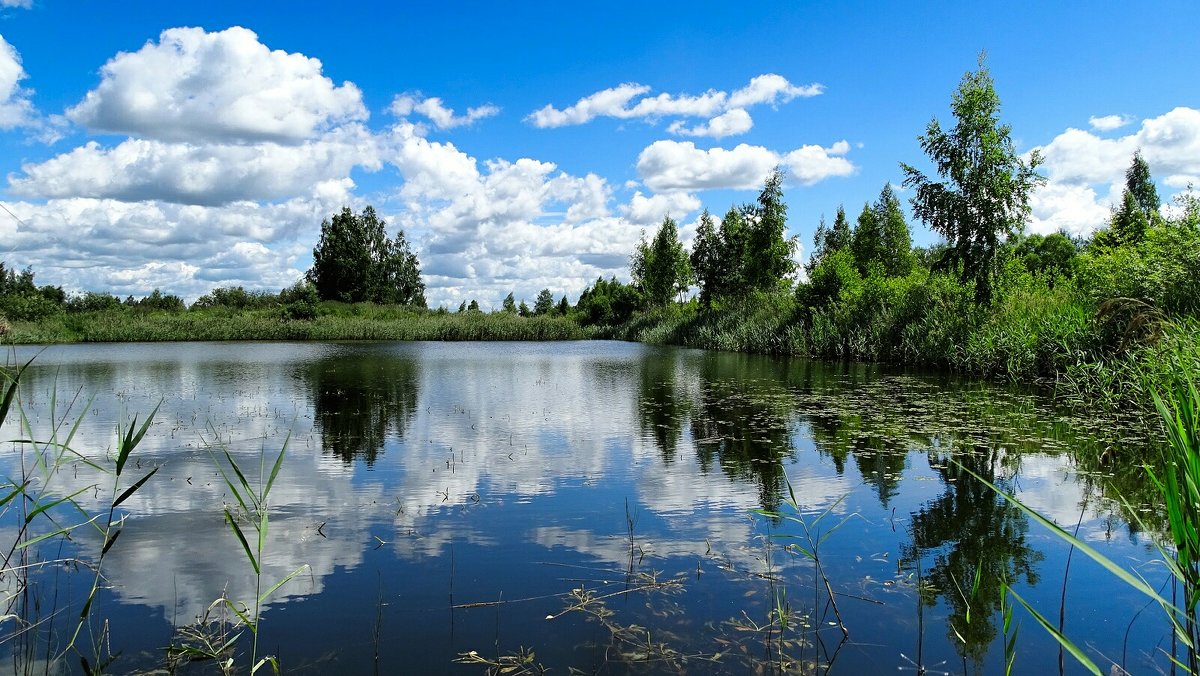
{"points": [[597, 502]]}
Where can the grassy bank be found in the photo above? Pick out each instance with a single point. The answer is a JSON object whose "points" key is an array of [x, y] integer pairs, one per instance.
{"points": [[1100, 355], [335, 322]]}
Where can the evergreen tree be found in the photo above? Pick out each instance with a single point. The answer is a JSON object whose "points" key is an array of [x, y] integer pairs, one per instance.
{"points": [[661, 268], [1139, 204], [523, 309], [705, 258], [985, 195], [1139, 183], [828, 241], [730, 269], [767, 259], [839, 236], [896, 239], [544, 304], [867, 243], [564, 306]]}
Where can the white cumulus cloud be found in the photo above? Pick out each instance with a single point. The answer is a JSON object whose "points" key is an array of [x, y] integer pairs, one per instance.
{"points": [[193, 86], [16, 110], [727, 112], [210, 174], [606, 103], [651, 210], [487, 228], [772, 89], [441, 116], [730, 123], [1086, 173], [680, 165], [1109, 122]]}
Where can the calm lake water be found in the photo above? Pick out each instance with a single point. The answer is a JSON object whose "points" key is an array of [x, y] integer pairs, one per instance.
{"points": [[596, 502]]}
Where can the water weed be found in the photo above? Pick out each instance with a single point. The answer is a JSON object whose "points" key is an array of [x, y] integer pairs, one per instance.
{"points": [[31, 500], [252, 508]]}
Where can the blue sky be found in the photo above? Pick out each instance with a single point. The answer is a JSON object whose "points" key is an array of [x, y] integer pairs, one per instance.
{"points": [[185, 146]]}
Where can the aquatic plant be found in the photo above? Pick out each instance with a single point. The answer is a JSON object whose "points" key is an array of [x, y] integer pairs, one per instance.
{"points": [[1177, 477], [31, 500], [254, 509]]}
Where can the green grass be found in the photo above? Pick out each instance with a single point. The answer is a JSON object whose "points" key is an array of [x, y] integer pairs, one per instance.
{"points": [[46, 518], [336, 322]]}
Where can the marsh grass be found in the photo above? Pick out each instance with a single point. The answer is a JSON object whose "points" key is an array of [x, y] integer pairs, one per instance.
{"points": [[252, 508], [333, 322], [813, 532], [32, 501], [1177, 477]]}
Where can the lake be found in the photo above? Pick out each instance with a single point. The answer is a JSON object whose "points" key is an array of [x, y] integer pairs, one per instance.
{"points": [[600, 504]]}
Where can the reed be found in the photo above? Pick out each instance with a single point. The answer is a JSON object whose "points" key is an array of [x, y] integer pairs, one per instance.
{"points": [[1177, 477], [253, 508], [32, 500], [339, 322]]}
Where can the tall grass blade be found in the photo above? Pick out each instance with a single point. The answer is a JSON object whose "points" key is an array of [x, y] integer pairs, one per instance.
{"points": [[11, 391], [50, 505], [242, 616], [132, 439], [242, 538], [286, 579], [237, 495], [278, 465], [111, 540], [14, 493], [1116, 570], [133, 489], [1065, 642]]}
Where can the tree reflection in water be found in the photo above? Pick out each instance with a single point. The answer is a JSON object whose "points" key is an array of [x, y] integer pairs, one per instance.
{"points": [[970, 530], [361, 396]]}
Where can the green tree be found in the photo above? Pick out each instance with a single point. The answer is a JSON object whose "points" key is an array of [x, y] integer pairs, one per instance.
{"points": [[1141, 186], [839, 236], [985, 195], [706, 258], [661, 268], [607, 302], [730, 270], [867, 242], [544, 304], [354, 261], [564, 306], [828, 241], [474, 306], [896, 238], [1047, 256], [398, 275], [1139, 204], [510, 304], [767, 258], [523, 309]]}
